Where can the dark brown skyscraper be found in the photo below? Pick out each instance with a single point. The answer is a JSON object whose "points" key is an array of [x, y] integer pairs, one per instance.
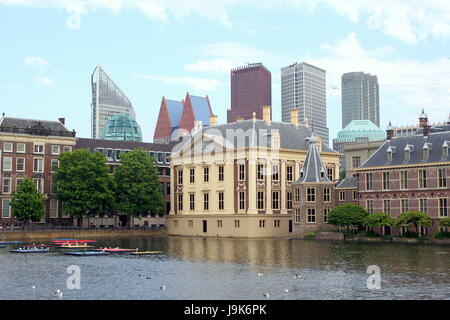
{"points": [[251, 88]]}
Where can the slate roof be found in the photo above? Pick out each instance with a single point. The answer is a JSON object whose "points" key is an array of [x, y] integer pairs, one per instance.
{"points": [[257, 133], [175, 109], [434, 142], [201, 109], [91, 144], [7, 122], [347, 183], [313, 169]]}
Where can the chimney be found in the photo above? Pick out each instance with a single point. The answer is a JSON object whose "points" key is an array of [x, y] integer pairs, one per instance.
{"points": [[62, 120], [389, 131], [423, 119], [426, 130], [212, 120], [266, 111], [294, 117], [239, 119]]}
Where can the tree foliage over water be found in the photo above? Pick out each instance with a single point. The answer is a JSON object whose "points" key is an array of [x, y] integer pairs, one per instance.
{"points": [[27, 202]]}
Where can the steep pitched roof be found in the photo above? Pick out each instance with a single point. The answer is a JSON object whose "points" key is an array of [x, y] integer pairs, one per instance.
{"points": [[434, 142], [313, 169], [201, 108], [175, 109], [347, 183]]}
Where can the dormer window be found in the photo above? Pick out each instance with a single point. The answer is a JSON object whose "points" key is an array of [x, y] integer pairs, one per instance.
{"points": [[407, 154], [389, 155], [426, 150], [301, 173], [322, 173], [445, 149]]}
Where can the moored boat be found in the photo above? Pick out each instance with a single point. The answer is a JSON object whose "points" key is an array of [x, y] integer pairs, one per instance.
{"points": [[75, 246], [31, 249], [87, 253], [137, 253], [116, 250]]}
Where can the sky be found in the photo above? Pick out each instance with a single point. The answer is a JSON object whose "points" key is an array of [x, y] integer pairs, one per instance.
{"points": [[156, 48]]}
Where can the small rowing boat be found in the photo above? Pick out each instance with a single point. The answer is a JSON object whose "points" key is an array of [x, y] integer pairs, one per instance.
{"points": [[116, 250], [75, 246], [31, 250], [87, 253], [139, 253], [12, 242], [71, 241]]}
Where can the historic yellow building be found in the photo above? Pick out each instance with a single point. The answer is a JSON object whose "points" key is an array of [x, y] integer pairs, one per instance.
{"points": [[234, 180]]}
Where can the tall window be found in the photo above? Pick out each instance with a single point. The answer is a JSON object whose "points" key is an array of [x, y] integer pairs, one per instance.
{"points": [[241, 172], [297, 194], [404, 205], [356, 162], [7, 163], [422, 178], [262, 223], [6, 208], [341, 195], [387, 206], [276, 223], [326, 211], [275, 172], [180, 176], [275, 199], [260, 200], [423, 205], [6, 185], [192, 175], [404, 179], [206, 201], [237, 223], [241, 200], [205, 174], [38, 165], [180, 201], [38, 148], [311, 215], [289, 176], [192, 201], [330, 174], [369, 184], [288, 200], [442, 177], [53, 208], [354, 195], [443, 210], [327, 194], [221, 175], [39, 185], [55, 164], [260, 172], [297, 213], [20, 164], [310, 194], [386, 182], [221, 201], [219, 224], [369, 206]]}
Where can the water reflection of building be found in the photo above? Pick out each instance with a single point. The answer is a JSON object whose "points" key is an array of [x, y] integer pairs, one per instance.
{"points": [[235, 180]]}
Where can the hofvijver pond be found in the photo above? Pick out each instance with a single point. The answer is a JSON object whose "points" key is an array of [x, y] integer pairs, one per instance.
{"points": [[198, 268]]}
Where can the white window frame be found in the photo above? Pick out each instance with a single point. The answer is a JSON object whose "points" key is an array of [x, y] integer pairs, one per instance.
{"points": [[11, 164], [38, 145], [51, 165], [42, 169], [8, 144], [17, 164], [10, 185], [58, 148], [9, 208], [50, 208], [24, 147]]}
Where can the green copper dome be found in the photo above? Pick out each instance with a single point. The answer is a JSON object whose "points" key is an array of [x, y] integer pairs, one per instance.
{"points": [[358, 129], [122, 127]]}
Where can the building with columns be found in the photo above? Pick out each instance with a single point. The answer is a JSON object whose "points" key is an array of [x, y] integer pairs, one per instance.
{"points": [[235, 179]]}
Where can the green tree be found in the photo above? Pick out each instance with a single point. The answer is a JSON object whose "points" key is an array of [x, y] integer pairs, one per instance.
{"points": [[380, 219], [445, 222], [137, 188], [27, 202], [342, 174], [414, 219], [347, 215], [83, 184]]}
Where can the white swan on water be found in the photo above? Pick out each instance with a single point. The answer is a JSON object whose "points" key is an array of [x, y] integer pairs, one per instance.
{"points": [[58, 293]]}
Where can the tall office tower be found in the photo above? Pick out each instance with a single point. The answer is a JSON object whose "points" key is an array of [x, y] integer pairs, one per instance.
{"points": [[107, 100], [251, 89], [303, 87], [360, 98]]}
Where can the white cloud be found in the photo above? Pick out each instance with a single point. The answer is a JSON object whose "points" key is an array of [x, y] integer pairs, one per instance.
{"points": [[45, 81], [192, 82], [35, 61], [406, 85], [408, 20]]}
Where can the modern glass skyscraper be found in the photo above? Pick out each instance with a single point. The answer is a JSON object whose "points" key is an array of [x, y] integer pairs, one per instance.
{"points": [[360, 98], [107, 100], [303, 87]]}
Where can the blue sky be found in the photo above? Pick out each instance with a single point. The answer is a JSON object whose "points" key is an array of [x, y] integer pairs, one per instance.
{"points": [[159, 48]]}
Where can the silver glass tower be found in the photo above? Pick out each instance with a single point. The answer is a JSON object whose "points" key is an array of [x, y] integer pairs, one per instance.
{"points": [[107, 100], [360, 98], [303, 87]]}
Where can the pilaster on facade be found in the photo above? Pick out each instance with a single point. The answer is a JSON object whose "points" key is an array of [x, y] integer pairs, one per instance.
{"points": [[251, 186]]}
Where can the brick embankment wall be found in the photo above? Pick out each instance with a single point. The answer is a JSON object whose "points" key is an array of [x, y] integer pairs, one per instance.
{"points": [[80, 234]]}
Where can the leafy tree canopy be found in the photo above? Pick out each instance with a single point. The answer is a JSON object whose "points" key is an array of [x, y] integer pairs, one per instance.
{"points": [[347, 215], [137, 188], [380, 219], [27, 202], [413, 219], [445, 222], [83, 184]]}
